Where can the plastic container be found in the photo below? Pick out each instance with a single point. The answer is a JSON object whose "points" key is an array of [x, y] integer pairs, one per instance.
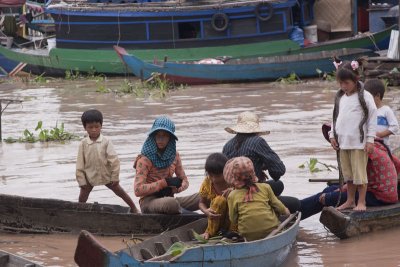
{"points": [[297, 36], [51, 43], [311, 33]]}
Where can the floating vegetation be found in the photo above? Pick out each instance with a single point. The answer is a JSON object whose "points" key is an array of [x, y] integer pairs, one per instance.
{"points": [[157, 86], [313, 163], [291, 79], [326, 76], [56, 134]]}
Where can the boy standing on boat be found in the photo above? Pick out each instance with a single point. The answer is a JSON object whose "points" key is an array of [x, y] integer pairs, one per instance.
{"points": [[353, 132], [97, 162], [387, 123]]}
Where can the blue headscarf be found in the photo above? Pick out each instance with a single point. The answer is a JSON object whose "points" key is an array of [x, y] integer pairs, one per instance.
{"points": [[150, 149]]}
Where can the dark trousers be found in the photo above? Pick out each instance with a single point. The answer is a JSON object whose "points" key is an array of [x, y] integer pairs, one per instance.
{"points": [[292, 203], [311, 205]]}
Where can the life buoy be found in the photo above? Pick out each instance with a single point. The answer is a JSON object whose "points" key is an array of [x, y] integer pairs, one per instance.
{"points": [[270, 10], [220, 22]]}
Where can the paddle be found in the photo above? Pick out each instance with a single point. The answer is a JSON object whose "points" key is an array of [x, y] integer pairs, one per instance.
{"points": [[325, 131], [283, 224]]}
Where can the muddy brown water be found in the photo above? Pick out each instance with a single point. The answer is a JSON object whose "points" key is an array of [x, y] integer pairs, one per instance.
{"points": [[293, 114]]}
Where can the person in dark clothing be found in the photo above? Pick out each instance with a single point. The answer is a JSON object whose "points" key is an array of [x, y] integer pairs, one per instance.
{"points": [[249, 143]]}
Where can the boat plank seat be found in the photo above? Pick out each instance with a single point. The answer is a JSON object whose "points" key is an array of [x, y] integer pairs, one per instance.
{"points": [[146, 254], [190, 234], [4, 259], [160, 249], [174, 239]]}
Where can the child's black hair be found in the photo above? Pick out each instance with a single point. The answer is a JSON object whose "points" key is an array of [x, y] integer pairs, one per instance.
{"points": [[346, 72], [215, 163], [375, 87], [91, 115]]}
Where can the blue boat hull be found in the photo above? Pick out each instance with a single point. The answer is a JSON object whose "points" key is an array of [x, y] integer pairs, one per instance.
{"points": [[270, 251], [269, 68], [7, 64]]}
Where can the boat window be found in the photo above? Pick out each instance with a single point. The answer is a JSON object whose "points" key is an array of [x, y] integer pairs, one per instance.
{"points": [[210, 32], [189, 30], [163, 31], [274, 24], [243, 26]]}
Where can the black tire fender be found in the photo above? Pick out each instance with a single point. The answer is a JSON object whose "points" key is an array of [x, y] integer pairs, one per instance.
{"points": [[270, 10], [215, 22]]}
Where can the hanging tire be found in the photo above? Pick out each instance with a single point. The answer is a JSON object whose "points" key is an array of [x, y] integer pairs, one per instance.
{"points": [[270, 10], [220, 22]]}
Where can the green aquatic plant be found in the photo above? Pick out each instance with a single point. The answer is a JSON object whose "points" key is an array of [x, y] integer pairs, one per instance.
{"points": [[313, 163], [72, 74], [56, 134], [326, 76], [291, 79]]}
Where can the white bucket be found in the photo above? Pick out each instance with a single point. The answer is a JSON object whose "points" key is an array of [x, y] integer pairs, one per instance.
{"points": [[310, 33], [9, 42], [51, 43]]}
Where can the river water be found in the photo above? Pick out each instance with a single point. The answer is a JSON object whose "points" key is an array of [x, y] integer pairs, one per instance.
{"points": [[293, 114]]}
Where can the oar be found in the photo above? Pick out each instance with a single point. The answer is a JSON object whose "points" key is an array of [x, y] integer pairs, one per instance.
{"points": [[283, 224]]}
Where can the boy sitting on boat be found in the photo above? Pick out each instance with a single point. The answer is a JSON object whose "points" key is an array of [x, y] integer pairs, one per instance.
{"points": [[97, 162], [252, 206], [213, 192]]}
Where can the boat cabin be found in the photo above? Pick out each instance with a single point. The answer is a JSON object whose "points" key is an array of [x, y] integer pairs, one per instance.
{"points": [[162, 26]]}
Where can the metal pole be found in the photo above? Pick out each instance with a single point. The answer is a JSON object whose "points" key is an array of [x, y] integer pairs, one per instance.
{"points": [[1, 113], [398, 28]]}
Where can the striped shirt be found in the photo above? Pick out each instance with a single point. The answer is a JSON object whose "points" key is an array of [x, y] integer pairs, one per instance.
{"points": [[260, 153]]}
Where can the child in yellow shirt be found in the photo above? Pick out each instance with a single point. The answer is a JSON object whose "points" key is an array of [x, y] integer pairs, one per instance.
{"points": [[212, 195], [252, 206]]}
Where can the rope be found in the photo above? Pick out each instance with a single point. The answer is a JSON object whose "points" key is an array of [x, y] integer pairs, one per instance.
{"points": [[372, 38]]}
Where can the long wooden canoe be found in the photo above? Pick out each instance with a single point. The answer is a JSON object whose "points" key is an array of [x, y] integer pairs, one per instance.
{"points": [[239, 70], [349, 223], [270, 251], [24, 214], [11, 260]]}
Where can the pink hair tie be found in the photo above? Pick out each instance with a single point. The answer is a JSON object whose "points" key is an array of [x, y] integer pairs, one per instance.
{"points": [[354, 65], [337, 64]]}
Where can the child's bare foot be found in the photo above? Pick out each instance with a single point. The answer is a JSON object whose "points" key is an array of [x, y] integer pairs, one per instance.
{"points": [[134, 210], [346, 205], [360, 207]]}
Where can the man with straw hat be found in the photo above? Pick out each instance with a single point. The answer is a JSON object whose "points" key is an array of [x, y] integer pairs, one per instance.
{"points": [[249, 143]]}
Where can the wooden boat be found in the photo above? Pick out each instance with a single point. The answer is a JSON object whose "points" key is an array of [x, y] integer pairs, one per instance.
{"points": [[39, 215], [103, 60], [11, 260], [270, 251], [169, 24], [239, 70], [349, 223]]}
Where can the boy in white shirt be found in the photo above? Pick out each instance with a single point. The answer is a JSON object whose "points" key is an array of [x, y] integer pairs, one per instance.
{"points": [[387, 123]]}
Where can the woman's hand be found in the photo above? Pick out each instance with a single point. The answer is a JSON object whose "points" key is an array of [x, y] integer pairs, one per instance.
{"points": [[211, 214], [334, 144]]}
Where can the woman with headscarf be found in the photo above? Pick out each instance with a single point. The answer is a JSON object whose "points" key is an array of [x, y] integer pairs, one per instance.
{"points": [[252, 206], [249, 143], [156, 166]]}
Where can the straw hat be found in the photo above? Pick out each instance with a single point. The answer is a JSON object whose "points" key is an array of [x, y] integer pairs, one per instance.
{"points": [[247, 122]]}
